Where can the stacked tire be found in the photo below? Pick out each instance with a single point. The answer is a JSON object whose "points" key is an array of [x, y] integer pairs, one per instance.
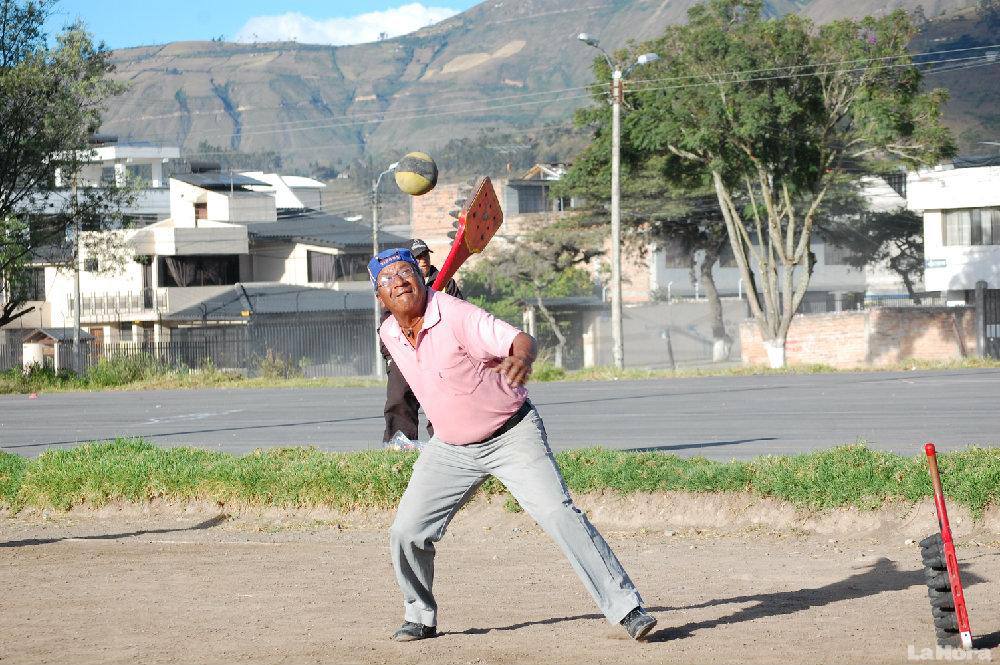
{"points": [[939, 591]]}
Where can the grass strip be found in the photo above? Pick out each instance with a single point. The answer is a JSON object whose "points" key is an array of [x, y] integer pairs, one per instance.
{"points": [[133, 470]]}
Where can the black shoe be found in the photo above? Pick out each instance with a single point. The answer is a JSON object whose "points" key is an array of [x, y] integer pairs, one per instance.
{"points": [[410, 631], [638, 623]]}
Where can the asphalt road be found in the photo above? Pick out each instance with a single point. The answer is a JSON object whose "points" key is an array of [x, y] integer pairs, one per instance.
{"points": [[718, 417]]}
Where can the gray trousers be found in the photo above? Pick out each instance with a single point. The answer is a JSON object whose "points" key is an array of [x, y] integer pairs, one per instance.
{"points": [[446, 476]]}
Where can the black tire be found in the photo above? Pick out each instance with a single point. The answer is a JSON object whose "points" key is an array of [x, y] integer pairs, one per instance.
{"points": [[949, 623], [932, 542], [942, 611], [932, 552], [942, 602], [935, 562], [937, 580]]}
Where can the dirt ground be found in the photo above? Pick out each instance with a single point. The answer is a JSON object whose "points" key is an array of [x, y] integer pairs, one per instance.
{"points": [[730, 580]]}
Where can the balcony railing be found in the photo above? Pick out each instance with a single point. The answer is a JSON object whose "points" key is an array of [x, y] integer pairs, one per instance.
{"points": [[111, 305]]}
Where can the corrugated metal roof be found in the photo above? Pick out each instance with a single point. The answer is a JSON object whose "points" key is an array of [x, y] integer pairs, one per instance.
{"points": [[58, 334], [323, 229], [271, 299]]}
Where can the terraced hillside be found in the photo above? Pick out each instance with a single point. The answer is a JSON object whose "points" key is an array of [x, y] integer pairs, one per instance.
{"points": [[504, 65]]}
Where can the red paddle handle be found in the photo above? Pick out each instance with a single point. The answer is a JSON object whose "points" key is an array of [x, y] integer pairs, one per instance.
{"points": [[951, 560]]}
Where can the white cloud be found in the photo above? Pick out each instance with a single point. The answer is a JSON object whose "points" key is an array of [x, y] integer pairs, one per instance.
{"points": [[343, 30]]}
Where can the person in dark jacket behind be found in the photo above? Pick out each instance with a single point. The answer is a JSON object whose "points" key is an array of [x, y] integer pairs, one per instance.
{"points": [[401, 406]]}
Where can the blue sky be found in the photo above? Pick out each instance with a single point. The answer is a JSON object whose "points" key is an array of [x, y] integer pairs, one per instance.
{"points": [[122, 23]]}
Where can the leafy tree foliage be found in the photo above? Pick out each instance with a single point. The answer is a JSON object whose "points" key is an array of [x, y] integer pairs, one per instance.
{"points": [[772, 112], [52, 97]]}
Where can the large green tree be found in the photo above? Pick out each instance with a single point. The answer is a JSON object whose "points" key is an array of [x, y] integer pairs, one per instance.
{"points": [[773, 112], [680, 218], [51, 102]]}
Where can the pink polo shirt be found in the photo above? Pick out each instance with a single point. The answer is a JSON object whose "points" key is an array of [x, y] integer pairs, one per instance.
{"points": [[451, 369]]}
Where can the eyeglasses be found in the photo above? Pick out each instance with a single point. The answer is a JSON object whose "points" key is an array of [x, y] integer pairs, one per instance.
{"points": [[404, 273]]}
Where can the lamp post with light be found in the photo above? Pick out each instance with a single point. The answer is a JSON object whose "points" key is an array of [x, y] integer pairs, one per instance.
{"points": [[617, 92], [375, 308]]}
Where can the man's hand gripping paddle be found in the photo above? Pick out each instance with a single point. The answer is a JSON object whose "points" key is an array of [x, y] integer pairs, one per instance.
{"points": [[478, 220]]}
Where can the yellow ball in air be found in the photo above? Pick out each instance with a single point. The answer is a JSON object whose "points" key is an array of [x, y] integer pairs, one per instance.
{"points": [[416, 173]]}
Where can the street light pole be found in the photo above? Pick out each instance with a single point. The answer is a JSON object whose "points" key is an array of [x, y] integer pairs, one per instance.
{"points": [[617, 93], [617, 331], [376, 311], [76, 277]]}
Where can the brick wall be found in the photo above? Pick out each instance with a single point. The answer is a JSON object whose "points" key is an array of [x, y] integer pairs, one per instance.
{"points": [[874, 337]]}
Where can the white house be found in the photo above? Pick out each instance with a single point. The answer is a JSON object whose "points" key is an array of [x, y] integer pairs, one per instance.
{"points": [[223, 240], [112, 163], [291, 192], [960, 203]]}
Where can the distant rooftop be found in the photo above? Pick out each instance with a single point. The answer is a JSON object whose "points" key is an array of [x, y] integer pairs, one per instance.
{"points": [[218, 180], [229, 303], [322, 229], [972, 161]]}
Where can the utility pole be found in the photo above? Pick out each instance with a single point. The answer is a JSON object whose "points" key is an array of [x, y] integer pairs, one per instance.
{"points": [[617, 94], [76, 272], [617, 332]]}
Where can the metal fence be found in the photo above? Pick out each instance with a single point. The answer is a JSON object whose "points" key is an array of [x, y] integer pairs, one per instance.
{"points": [[10, 356], [288, 349], [919, 300]]}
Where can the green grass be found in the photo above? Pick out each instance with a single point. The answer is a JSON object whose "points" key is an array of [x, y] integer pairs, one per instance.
{"points": [[133, 470], [144, 373]]}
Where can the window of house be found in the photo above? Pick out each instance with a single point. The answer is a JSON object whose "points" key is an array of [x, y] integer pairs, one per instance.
{"points": [[91, 265], [530, 200], [337, 267], [321, 267], [142, 173], [107, 175], [201, 210], [33, 286], [727, 259], [125, 333], [139, 220], [212, 270], [972, 226], [834, 255], [674, 254]]}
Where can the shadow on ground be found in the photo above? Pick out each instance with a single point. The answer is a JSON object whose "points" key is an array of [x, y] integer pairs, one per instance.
{"points": [[882, 576], [691, 446], [207, 524]]}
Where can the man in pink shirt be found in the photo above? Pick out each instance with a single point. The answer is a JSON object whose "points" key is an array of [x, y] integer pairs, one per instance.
{"points": [[468, 371]]}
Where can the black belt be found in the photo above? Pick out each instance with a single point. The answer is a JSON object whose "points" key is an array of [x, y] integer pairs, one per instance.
{"points": [[511, 423]]}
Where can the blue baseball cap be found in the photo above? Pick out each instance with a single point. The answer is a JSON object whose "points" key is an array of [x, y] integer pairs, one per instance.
{"points": [[386, 258]]}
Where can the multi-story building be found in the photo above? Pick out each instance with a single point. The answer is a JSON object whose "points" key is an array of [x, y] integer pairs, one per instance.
{"points": [[221, 255], [960, 203]]}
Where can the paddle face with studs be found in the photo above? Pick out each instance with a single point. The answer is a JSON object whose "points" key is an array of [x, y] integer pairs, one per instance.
{"points": [[478, 219]]}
